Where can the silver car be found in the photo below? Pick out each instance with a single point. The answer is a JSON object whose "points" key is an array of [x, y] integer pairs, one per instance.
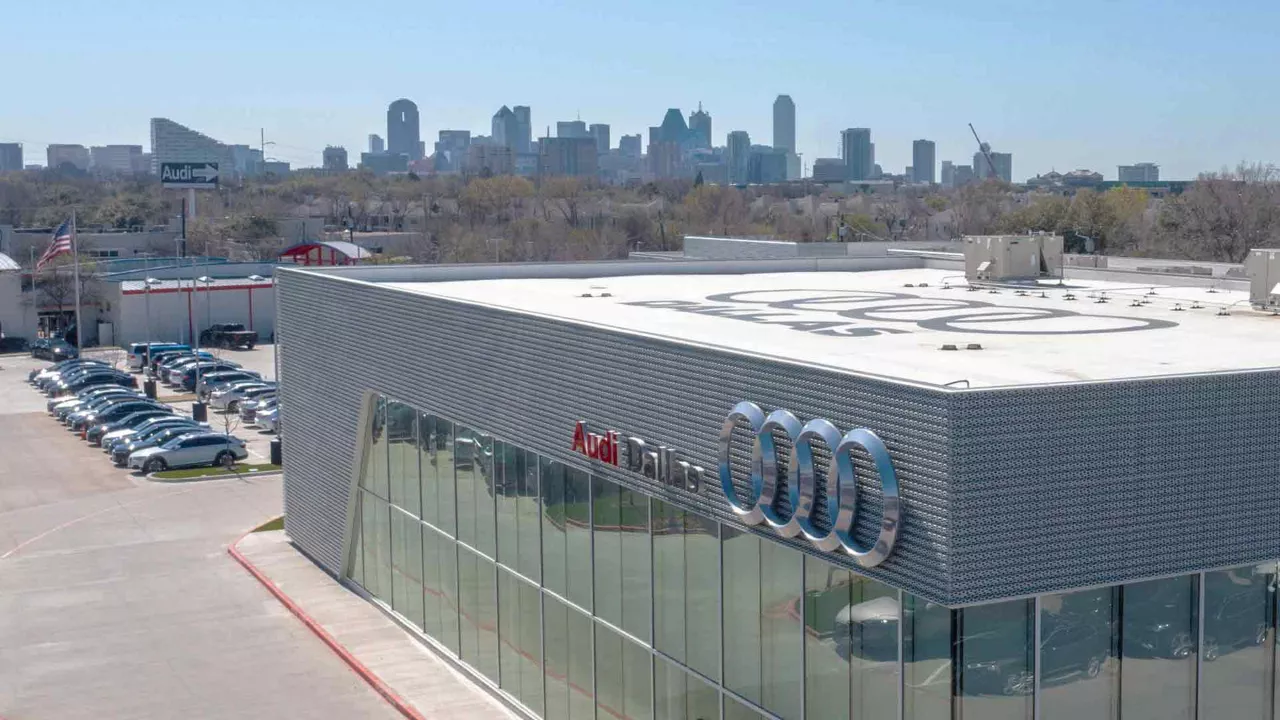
{"points": [[201, 448]]}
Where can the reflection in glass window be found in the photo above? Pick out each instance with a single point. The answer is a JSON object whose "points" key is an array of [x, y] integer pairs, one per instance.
{"points": [[1235, 675], [735, 709], [577, 514], [996, 660], [620, 530], [518, 509], [686, 581], [569, 681], [406, 566], [1159, 629], [681, 695], [376, 529], [851, 644], [440, 588], [402, 450], [763, 645], [479, 612], [926, 659], [528, 513], [623, 677], [553, 527], [520, 633], [373, 475], [1079, 654], [474, 463], [357, 541]]}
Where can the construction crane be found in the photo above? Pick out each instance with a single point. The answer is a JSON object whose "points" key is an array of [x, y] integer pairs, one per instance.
{"points": [[986, 151]]}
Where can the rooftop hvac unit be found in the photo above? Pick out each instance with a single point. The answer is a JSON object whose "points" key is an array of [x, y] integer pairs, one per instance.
{"points": [[1007, 258], [1263, 268]]}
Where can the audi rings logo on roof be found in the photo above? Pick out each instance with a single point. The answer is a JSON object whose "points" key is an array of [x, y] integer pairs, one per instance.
{"points": [[841, 485]]}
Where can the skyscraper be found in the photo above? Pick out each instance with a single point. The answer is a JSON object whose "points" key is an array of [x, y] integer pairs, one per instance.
{"points": [[524, 128], [10, 157], [115, 159], [630, 145], [948, 174], [784, 124], [568, 156], [673, 128], [506, 128], [376, 145], [1142, 172], [335, 158], [923, 154], [737, 149], [403, 132], [700, 127], [858, 153], [600, 132], [1003, 164], [571, 129], [171, 142]]}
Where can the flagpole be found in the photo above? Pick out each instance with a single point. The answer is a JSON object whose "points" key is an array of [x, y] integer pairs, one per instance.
{"points": [[75, 254]]}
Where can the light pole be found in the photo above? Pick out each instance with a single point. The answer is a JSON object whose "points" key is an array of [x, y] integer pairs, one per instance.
{"points": [[150, 384], [199, 411], [277, 445], [275, 365]]}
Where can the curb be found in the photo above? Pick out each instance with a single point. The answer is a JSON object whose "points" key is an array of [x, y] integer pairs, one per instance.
{"points": [[403, 707], [200, 478]]}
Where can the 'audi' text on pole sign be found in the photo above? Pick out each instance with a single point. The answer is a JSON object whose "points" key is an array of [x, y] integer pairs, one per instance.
{"points": [[194, 176]]}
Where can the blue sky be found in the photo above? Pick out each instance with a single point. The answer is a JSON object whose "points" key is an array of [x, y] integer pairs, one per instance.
{"points": [[1088, 83]]}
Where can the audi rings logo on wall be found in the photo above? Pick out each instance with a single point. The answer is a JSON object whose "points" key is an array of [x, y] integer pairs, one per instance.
{"points": [[841, 486]]}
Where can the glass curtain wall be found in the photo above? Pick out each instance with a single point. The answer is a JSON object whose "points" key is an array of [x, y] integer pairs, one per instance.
{"points": [[582, 599]]}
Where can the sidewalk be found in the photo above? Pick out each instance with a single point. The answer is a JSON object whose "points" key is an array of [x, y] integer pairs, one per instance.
{"points": [[411, 676]]}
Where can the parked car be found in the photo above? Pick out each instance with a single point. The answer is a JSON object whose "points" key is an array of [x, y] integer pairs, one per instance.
{"points": [[62, 412], [188, 451], [94, 379], [155, 437], [39, 347], [229, 398], [269, 419], [159, 422], [180, 369], [138, 352], [160, 358], [82, 421], [187, 381], [41, 377], [218, 380], [76, 401], [105, 425], [229, 335], [60, 350], [249, 409]]}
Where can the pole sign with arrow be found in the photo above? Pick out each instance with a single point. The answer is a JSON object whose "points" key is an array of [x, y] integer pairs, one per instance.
{"points": [[190, 176]]}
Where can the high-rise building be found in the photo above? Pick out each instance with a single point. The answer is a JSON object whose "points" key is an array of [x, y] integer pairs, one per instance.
{"points": [[1142, 172], [948, 174], [830, 170], [524, 128], [384, 162], [923, 157], [115, 159], [700, 128], [451, 150], [664, 159], [571, 129], [766, 165], [488, 159], [171, 142], [505, 128], [630, 145], [403, 132], [1003, 164], [784, 124], [963, 175], [335, 158], [600, 131], [376, 145], [858, 153], [10, 157], [62, 157], [673, 128], [737, 149], [575, 156]]}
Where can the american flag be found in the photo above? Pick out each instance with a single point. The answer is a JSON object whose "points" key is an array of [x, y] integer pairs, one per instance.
{"points": [[61, 245]]}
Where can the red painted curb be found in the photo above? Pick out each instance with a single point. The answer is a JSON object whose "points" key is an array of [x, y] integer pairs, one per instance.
{"points": [[365, 673]]}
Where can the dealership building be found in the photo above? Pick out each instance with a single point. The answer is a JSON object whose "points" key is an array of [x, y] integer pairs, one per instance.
{"points": [[916, 486]]}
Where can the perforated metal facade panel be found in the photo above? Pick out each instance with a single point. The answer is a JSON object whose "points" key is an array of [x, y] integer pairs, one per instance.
{"points": [[1006, 492]]}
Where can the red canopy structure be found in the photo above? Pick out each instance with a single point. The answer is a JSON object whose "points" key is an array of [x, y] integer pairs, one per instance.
{"points": [[332, 252]]}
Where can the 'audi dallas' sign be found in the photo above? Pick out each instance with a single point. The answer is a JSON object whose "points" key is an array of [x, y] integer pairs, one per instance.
{"points": [[759, 505]]}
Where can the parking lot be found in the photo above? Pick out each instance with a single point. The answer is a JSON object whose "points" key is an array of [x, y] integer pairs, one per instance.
{"points": [[117, 598]]}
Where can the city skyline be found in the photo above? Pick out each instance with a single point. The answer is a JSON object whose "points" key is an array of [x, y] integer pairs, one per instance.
{"points": [[1121, 108]]}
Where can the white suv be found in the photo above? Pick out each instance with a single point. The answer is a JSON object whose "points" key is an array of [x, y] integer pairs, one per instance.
{"points": [[201, 448]]}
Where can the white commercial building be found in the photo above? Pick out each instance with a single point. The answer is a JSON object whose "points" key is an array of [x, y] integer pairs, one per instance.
{"points": [[177, 313]]}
